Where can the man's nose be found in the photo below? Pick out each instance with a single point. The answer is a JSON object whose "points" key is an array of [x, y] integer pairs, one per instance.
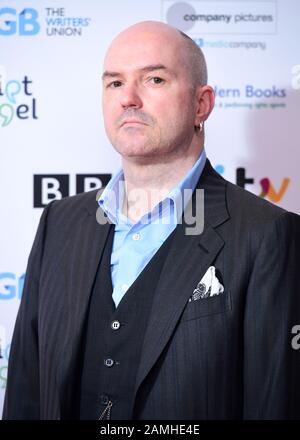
{"points": [[130, 96]]}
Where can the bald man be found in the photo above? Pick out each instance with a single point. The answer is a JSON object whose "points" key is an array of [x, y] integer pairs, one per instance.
{"points": [[172, 294]]}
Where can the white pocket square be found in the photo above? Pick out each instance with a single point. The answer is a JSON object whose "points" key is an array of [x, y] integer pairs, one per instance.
{"points": [[208, 286]]}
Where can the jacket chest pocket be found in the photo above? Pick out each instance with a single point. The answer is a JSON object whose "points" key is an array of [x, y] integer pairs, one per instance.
{"points": [[207, 306]]}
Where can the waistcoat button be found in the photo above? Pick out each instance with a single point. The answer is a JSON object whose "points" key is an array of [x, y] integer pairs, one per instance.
{"points": [[108, 362], [104, 399], [115, 325]]}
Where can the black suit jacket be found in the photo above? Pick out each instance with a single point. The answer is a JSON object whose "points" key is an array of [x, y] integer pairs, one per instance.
{"points": [[225, 357]]}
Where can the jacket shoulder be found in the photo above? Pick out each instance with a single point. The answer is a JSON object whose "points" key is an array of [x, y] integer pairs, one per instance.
{"points": [[83, 201], [250, 205]]}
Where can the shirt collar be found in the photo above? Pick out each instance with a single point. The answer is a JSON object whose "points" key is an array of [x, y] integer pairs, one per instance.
{"points": [[111, 199]]}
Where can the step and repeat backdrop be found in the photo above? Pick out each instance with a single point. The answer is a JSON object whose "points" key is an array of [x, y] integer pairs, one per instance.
{"points": [[52, 139]]}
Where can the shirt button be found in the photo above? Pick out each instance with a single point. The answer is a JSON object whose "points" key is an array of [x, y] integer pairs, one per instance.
{"points": [[115, 325], [124, 287], [108, 362], [136, 236]]}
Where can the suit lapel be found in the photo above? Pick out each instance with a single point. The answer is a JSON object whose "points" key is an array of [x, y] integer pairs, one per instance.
{"points": [[188, 259]]}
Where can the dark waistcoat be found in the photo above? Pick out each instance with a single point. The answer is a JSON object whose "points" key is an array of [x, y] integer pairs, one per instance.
{"points": [[114, 338]]}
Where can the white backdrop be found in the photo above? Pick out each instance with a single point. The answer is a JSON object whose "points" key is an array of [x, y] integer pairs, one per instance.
{"points": [[51, 56]]}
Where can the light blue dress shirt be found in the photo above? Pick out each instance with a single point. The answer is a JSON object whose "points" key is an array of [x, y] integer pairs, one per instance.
{"points": [[134, 244]]}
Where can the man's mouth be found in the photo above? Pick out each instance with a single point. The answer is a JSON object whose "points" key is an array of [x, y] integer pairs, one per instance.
{"points": [[132, 122]]}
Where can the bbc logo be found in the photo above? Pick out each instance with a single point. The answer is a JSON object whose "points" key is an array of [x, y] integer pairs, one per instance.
{"points": [[48, 187]]}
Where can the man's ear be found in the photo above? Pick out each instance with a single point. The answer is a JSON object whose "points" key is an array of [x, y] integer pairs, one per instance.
{"points": [[205, 101]]}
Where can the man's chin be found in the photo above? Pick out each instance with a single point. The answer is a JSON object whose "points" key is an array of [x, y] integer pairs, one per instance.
{"points": [[136, 150], [140, 156]]}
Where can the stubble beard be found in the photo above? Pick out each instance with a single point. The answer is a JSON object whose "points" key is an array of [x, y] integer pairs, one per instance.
{"points": [[155, 148]]}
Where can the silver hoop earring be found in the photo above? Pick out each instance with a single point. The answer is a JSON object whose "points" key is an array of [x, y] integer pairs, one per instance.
{"points": [[201, 126]]}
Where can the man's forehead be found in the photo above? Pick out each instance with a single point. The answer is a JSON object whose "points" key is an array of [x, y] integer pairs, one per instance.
{"points": [[144, 40], [138, 55]]}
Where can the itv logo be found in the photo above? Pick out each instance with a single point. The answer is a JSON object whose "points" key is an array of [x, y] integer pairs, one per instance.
{"points": [[24, 23], [267, 188]]}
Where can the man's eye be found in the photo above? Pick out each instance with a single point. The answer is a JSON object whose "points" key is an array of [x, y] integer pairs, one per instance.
{"points": [[157, 80], [114, 84]]}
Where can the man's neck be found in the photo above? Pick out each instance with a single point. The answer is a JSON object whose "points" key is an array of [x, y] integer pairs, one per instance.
{"points": [[148, 183]]}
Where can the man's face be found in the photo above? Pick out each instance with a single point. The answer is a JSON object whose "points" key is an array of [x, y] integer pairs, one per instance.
{"points": [[148, 100]]}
